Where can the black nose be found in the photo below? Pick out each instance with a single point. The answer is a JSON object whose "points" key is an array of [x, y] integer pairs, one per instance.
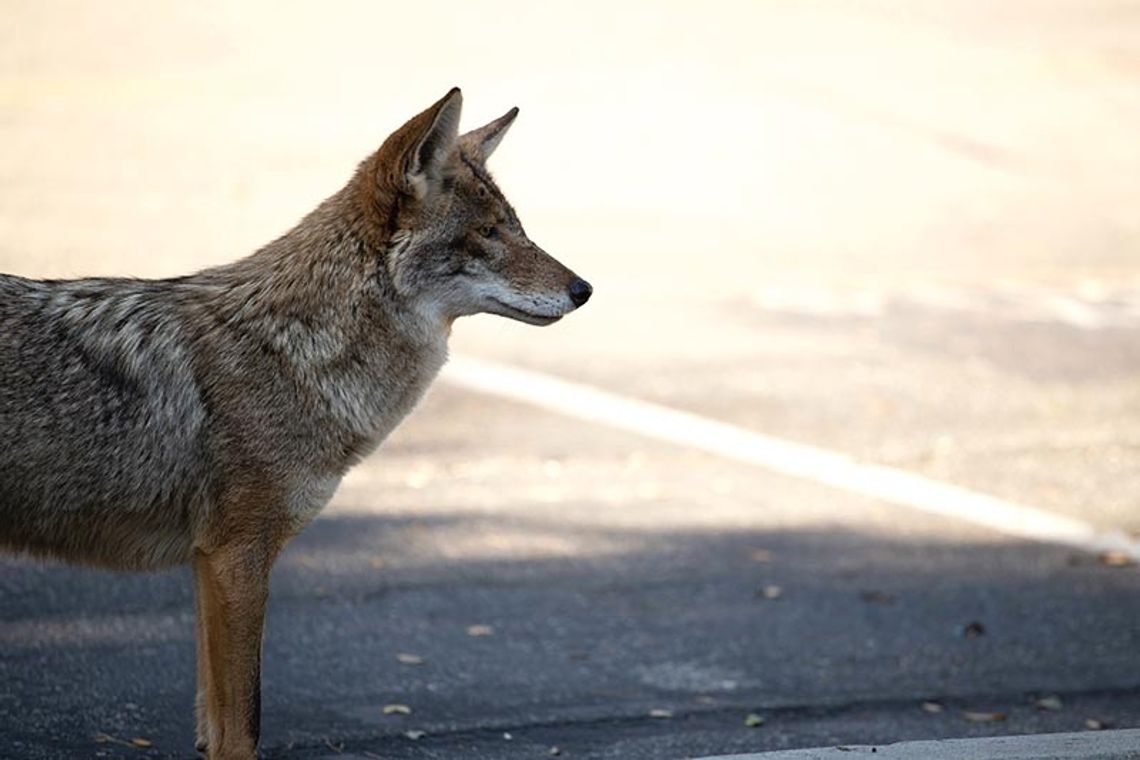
{"points": [[580, 291]]}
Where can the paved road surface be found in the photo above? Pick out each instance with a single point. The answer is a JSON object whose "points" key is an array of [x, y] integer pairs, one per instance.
{"points": [[903, 232]]}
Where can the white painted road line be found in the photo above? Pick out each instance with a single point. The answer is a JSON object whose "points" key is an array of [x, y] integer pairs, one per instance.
{"points": [[1096, 310], [1076, 313], [787, 457]]}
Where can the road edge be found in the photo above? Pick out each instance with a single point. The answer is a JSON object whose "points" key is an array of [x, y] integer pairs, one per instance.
{"points": [[1123, 744]]}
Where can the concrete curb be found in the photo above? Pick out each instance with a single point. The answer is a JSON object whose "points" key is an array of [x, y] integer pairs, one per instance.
{"points": [[1085, 745]]}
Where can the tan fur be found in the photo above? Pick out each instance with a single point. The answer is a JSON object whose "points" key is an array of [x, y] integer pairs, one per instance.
{"points": [[207, 419]]}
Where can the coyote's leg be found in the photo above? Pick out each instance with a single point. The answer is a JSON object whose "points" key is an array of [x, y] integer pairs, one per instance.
{"points": [[237, 579], [201, 603]]}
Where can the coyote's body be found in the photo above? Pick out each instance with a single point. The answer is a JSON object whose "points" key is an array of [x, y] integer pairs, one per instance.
{"points": [[208, 418]]}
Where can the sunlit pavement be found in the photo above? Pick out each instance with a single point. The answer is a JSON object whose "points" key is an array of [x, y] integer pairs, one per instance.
{"points": [[908, 236]]}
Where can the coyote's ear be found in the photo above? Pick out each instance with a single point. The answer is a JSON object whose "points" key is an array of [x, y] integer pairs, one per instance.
{"points": [[432, 136], [481, 142]]}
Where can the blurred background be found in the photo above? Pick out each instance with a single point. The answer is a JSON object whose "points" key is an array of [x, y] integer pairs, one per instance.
{"points": [[908, 232]]}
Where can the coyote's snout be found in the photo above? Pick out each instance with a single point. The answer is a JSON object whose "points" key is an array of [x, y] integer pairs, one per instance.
{"points": [[208, 418]]}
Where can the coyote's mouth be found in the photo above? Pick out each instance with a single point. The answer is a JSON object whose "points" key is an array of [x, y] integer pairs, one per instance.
{"points": [[506, 310]]}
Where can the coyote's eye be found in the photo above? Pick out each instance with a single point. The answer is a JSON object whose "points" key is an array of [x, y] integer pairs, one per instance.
{"points": [[489, 231]]}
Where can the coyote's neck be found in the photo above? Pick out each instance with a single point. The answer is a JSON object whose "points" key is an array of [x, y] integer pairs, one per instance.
{"points": [[320, 298]]}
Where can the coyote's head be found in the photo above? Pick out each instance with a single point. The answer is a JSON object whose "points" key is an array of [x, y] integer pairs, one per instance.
{"points": [[454, 244]]}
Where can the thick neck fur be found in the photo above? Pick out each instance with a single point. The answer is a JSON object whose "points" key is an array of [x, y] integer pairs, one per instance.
{"points": [[331, 266], [321, 298]]}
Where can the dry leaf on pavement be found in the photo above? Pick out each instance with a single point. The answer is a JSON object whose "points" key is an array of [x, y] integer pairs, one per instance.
{"points": [[984, 717], [102, 738], [1117, 559]]}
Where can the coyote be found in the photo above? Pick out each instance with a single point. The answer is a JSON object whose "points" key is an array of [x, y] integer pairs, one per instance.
{"points": [[207, 419]]}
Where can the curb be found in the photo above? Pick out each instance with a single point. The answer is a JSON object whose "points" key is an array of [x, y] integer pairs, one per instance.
{"points": [[1084, 745]]}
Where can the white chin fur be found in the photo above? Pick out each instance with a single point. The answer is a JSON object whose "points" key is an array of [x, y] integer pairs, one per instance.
{"points": [[532, 315]]}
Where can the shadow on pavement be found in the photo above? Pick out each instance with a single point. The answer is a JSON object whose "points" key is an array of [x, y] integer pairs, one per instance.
{"points": [[575, 651]]}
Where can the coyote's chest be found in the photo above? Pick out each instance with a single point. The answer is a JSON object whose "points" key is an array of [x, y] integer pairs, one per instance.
{"points": [[308, 496], [367, 390]]}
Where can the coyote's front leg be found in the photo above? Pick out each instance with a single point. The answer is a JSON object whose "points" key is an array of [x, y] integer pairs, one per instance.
{"points": [[233, 585], [201, 709]]}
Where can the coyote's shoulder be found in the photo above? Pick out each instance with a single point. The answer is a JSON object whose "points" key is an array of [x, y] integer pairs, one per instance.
{"points": [[105, 431]]}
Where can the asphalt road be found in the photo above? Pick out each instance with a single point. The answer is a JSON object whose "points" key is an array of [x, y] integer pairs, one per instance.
{"points": [[905, 234]]}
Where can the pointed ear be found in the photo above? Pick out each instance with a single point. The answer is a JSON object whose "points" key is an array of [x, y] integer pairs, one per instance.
{"points": [[428, 140], [481, 142]]}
